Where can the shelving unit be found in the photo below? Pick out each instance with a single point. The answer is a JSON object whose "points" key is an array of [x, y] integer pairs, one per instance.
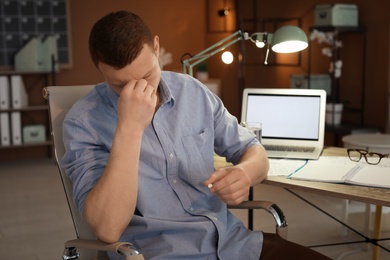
{"points": [[339, 33], [36, 113], [350, 88]]}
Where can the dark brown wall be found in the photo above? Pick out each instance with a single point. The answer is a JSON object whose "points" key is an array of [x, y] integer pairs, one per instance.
{"points": [[180, 24], [373, 15]]}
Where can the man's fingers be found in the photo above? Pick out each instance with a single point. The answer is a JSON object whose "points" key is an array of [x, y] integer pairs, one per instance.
{"points": [[150, 90], [230, 184], [214, 178], [235, 200], [140, 85], [227, 185]]}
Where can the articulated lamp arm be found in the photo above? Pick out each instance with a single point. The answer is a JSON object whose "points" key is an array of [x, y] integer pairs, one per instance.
{"points": [[190, 63], [286, 39]]}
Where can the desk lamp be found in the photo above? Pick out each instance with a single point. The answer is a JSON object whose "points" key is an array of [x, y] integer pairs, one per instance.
{"points": [[286, 39]]}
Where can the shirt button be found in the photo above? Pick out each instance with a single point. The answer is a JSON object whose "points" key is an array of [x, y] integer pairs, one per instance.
{"points": [[215, 218], [171, 155], [192, 209], [174, 181]]}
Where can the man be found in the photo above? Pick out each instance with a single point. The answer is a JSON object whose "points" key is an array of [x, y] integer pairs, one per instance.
{"points": [[139, 150]]}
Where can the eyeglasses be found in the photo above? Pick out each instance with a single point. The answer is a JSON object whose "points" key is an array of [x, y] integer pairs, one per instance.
{"points": [[370, 157]]}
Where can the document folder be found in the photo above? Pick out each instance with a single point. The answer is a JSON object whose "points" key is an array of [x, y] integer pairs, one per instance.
{"points": [[4, 129], [18, 92], [16, 128], [4, 92]]}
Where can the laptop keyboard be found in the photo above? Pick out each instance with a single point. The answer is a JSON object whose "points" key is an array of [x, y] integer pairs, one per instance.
{"points": [[285, 148]]}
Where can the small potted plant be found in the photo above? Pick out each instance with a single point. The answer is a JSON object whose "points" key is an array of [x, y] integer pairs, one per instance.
{"points": [[202, 71]]}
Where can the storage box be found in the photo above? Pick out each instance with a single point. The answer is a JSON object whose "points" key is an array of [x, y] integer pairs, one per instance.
{"points": [[34, 134], [336, 15], [317, 81]]}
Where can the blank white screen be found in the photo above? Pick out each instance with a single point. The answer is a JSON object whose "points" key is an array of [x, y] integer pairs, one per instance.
{"points": [[289, 117]]}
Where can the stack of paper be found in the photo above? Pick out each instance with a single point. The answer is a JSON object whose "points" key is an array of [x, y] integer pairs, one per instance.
{"points": [[284, 167], [343, 170]]}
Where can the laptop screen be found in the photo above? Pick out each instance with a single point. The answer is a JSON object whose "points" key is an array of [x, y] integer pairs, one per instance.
{"points": [[285, 116]]}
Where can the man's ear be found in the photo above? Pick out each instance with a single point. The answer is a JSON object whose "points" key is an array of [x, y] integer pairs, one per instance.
{"points": [[156, 45]]}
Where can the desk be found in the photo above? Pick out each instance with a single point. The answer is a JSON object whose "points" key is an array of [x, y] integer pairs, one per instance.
{"points": [[372, 195], [379, 143]]}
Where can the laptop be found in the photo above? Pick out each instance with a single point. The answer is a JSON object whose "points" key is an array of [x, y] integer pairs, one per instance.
{"points": [[293, 120]]}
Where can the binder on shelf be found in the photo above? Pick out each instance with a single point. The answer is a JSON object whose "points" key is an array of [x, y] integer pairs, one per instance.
{"points": [[16, 128], [18, 92], [4, 129], [4, 92]]}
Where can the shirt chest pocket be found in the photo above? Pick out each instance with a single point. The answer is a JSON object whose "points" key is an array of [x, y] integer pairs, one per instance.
{"points": [[199, 150]]}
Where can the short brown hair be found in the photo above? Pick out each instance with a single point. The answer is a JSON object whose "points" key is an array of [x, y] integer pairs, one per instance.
{"points": [[118, 38]]}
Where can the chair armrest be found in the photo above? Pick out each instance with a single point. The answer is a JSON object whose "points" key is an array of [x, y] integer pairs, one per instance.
{"points": [[123, 248], [270, 207]]}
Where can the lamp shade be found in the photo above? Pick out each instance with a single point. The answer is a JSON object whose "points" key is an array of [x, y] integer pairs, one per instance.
{"points": [[289, 39]]}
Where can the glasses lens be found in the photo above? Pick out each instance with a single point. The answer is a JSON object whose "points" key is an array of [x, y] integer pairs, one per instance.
{"points": [[373, 158], [354, 155]]}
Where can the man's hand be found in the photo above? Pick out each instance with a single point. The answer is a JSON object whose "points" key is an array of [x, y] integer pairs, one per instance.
{"points": [[231, 184], [137, 104]]}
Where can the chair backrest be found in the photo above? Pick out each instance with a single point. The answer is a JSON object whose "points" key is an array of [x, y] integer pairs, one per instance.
{"points": [[60, 100]]}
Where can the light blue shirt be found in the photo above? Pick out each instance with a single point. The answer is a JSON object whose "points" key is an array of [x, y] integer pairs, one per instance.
{"points": [[177, 217]]}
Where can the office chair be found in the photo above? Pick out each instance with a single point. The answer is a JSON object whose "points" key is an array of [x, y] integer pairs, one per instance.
{"points": [[86, 246]]}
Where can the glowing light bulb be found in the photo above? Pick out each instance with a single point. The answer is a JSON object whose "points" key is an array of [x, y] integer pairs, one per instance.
{"points": [[260, 44], [227, 57]]}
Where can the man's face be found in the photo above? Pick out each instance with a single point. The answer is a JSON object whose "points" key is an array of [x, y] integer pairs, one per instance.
{"points": [[145, 66]]}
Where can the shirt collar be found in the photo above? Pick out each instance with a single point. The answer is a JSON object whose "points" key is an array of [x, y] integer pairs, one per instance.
{"points": [[165, 93], [112, 96]]}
